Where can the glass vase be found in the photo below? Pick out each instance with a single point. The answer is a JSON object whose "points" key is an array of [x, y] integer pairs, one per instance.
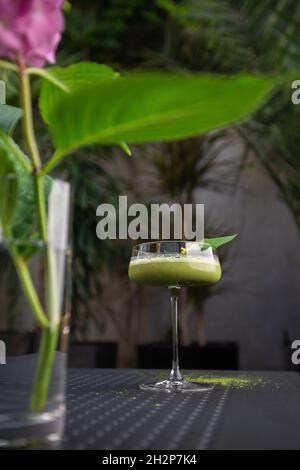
{"points": [[34, 341]]}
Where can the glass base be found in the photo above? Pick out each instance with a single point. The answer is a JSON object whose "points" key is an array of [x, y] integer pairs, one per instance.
{"points": [[32, 430], [50, 441], [181, 386]]}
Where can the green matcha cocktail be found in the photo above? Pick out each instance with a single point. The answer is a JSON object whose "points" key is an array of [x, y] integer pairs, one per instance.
{"points": [[174, 265], [178, 270]]}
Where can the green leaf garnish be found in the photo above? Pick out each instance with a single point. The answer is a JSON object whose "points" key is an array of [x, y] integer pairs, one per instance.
{"points": [[217, 242]]}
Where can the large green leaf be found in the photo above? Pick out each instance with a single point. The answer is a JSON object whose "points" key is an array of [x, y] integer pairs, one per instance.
{"points": [[9, 117], [144, 107], [71, 78], [18, 215]]}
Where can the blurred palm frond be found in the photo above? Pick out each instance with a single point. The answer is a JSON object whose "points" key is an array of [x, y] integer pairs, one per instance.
{"points": [[231, 35]]}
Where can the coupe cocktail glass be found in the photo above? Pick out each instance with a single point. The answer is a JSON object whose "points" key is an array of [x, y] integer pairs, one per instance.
{"points": [[174, 264]]}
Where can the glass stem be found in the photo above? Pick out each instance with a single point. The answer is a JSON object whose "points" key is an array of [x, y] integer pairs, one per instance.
{"points": [[175, 375]]}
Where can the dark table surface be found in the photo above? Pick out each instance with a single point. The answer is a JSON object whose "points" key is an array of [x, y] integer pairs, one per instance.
{"points": [[106, 410]]}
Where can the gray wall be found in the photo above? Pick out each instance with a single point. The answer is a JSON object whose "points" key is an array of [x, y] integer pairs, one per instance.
{"points": [[261, 279]]}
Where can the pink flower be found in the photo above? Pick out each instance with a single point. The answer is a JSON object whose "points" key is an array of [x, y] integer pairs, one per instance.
{"points": [[31, 28]]}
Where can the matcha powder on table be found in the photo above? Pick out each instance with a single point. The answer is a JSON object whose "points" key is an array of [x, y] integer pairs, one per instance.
{"points": [[225, 381]]}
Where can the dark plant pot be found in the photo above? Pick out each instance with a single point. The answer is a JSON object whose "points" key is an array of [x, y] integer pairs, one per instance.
{"points": [[93, 354], [215, 355], [19, 343]]}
